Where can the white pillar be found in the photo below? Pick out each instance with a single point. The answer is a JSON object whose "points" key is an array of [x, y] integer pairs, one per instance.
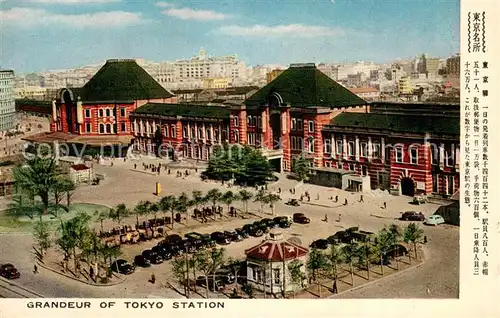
{"points": [[264, 122], [441, 155], [220, 134], [370, 152], [283, 123], [189, 130], [344, 146], [457, 157], [382, 149], [334, 146], [212, 137], [356, 150], [204, 132], [196, 131]]}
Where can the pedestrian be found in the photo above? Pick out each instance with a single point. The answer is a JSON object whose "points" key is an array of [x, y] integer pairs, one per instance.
{"points": [[425, 239], [361, 199], [135, 166], [345, 201], [168, 171], [279, 190], [385, 205], [326, 217], [308, 199], [91, 273], [317, 196], [340, 217], [153, 278], [35, 269], [334, 288], [336, 198]]}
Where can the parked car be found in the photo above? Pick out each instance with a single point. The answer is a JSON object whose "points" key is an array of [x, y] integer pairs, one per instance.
{"points": [[301, 218], [202, 281], [163, 251], [233, 236], [187, 246], [9, 271], [340, 237], [412, 216], [282, 221], [173, 238], [244, 234], [363, 236], [220, 238], [152, 256], [435, 219], [208, 242], [195, 238], [268, 223], [293, 202], [225, 275], [320, 244], [173, 248], [261, 226], [122, 266], [253, 230], [141, 261]]}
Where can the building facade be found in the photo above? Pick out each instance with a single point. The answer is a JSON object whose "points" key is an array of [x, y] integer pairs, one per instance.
{"points": [[7, 100]]}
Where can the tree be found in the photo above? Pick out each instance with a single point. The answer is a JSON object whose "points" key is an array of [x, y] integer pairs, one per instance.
{"points": [[217, 259], [179, 270], [302, 168], [169, 203], [213, 196], [72, 237], [154, 209], [101, 217], [349, 254], [119, 213], [91, 249], [141, 209], [204, 265], [394, 237], [271, 200], [41, 233], [364, 253], [261, 197], [335, 257], [413, 233], [182, 203], [245, 196], [228, 198], [297, 276], [198, 198], [317, 262], [383, 244]]}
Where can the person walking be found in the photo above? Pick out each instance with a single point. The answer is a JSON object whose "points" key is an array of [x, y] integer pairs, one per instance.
{"points": [[153, 278], [334, 288], [425, 239], [336, 199], [326, 218], [361, 199], [385, 205], [135, 166], [35, 269], [345, 202]]}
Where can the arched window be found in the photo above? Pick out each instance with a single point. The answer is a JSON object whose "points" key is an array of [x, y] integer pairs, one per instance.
{"points": [[185, 132], [101, 113], [216, 134], [108, 112], [172, 132], [236, 137], [192, 132], [209, 136], [236, 121], [200, 133], [310, 145], [108, 128], [101, 128]]}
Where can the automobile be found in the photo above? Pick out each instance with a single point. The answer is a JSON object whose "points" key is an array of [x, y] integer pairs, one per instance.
{"points": [[195, 238], [301, 218], [282, 221], [320, 244], [233, 236], [122, 266], [172, 238], [244, 234], [269, 223], [207, 241], [226, 275], [412, 216], [261, 226], [164, 252], [220, 238], [435, 219], [187, 246], [218, 284], [292, 202], [141, 261], [9, 271], [152, 256], [173, 248], [340, 237], [363, 236], [253, 230]]}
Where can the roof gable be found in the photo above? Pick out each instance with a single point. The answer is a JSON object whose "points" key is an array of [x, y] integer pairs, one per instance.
{"points": [[276, 251], [303, 85], [122, 80]]}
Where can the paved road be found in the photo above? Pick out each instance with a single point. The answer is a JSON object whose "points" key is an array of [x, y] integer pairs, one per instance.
{"points": [[440, 274]]}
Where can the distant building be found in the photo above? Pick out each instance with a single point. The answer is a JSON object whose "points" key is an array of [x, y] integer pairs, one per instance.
{"points": [[367, 93], [453, 65], [272, 75], [7, 100], [216, 83], [355, 80], [405, 86], [432, 67]]}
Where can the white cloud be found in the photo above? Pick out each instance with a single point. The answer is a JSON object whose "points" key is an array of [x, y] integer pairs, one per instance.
{"points": [[297, 30], [164, 4], [192, 14], [71, 1], [26, 17]]}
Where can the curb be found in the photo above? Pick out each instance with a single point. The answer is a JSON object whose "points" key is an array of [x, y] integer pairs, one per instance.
{"points": [[378, 280], [79, 280], [21, 287]]}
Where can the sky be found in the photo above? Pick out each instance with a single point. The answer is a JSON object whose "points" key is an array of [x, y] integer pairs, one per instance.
{"points": [[41, 35]]}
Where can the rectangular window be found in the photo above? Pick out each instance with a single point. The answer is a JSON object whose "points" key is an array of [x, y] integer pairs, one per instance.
{"points": [[310, 145], [123, 112], [294, 143], [276, 274], [88, 127], [300, 143], [450, 161], [339, 147], [123, 127], [294, 124], [328, 146], [434, 155], [87, 113], [172, 132], [364, 149], [414, 155], [236, 121], [311, 125], [398, 154], [185, 132], [300, 124], [376, 150], [350, 148]]}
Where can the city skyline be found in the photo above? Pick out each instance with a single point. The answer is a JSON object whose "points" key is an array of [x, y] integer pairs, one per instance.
{"points": [[259, 32]]}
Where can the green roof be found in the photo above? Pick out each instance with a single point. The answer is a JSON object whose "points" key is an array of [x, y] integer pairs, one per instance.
{"points": [[33, 102], [303, 85], [121, 80], [399, 123], [184, 110]]}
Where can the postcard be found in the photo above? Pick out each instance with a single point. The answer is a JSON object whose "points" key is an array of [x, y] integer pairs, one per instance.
{"points": [[326, 157]]}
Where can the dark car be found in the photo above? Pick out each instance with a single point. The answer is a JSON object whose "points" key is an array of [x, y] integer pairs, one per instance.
{"points": [[301, 218], [196, 239], [173, 248], [282, 221], [202, 281], [269, 223], [320, 244], [412, 216], [173, 238], [152, 256], [363, 236], [233, 236], [244, 234], [163, 251], [9, 271], [141, 261], [340, 237], [208, 242], [187, 246], [220, 238], [226, 275], [253, 230], [122, 266], [293, 202], [261, 226]]}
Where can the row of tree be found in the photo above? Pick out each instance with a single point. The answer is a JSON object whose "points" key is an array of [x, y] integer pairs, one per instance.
{"points": [[361, 255]]}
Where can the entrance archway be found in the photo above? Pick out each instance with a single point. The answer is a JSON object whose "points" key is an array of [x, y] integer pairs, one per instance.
{"points": [[407, 187]]}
